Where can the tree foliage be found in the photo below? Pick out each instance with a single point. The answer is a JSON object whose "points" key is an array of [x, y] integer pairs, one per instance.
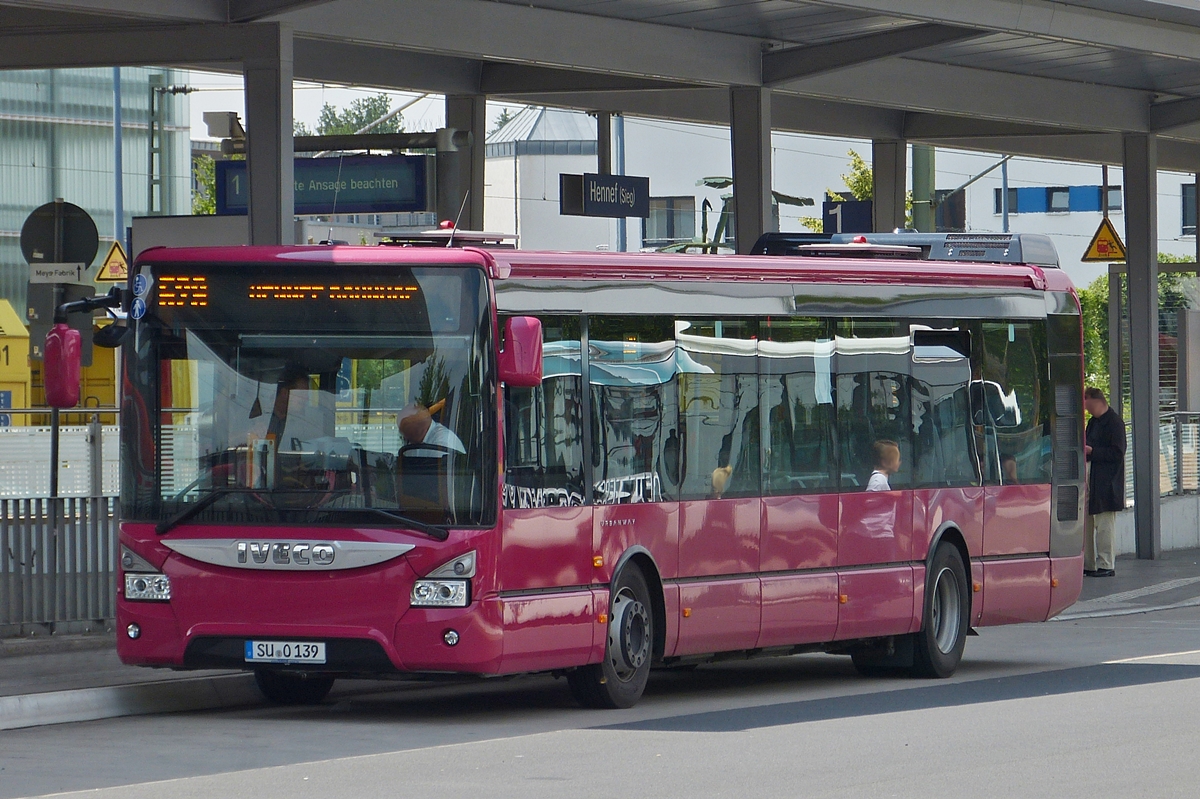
{"points": [[204, 195], [361, 112], [860, 185], [502, 119]]}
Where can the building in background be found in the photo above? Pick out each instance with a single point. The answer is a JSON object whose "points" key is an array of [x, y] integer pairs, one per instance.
{"points": [[56, 140]]}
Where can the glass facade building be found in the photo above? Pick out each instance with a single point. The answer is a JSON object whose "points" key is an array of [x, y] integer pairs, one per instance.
{"points": [[56, 140]]}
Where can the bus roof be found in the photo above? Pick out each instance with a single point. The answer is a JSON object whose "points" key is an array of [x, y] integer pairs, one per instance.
{"points": [[529, 264]]}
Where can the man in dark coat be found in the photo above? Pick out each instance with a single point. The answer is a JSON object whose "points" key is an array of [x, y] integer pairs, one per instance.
{"points": [[1105, 451]]}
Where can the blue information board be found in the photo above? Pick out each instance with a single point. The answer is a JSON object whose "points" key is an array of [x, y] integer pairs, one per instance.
{"points": [[5, 404], [352, 184]]}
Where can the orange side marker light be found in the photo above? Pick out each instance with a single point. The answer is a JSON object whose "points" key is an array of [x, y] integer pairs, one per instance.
{"points": [[843, 599], [602, 618], [978, 587], [687, 613], [598, 561]]}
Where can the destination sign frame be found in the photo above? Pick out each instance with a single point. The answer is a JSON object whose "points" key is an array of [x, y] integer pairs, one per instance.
{"points": [[351, 184]]}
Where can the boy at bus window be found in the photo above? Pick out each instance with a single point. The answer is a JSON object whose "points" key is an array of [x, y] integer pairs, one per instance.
{"points": [[1105, 452], [417, 426], [887, 462]]}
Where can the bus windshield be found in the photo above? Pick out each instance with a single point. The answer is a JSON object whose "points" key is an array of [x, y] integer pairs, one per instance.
{"points": [[312, 398]]}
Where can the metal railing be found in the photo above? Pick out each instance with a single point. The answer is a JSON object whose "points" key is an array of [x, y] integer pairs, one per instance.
{"points": [[1178, 456], [58, 564]]}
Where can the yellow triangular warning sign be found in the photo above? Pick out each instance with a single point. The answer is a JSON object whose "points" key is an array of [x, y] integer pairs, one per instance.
{"points": [[116, 266], [1106, 245]]}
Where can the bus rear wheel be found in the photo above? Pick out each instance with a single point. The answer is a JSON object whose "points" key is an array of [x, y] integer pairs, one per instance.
{"points": [[619, 680], [284, 688], [938, 647]]}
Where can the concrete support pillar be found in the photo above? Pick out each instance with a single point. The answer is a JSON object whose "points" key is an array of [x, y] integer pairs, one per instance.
{"points": [[750, 138], [460, 174], [924, 169], [267, 75], [1141, 240], [603, 143], [889, 169]]}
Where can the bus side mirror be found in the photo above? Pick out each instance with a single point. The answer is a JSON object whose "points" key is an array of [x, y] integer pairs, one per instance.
{"points": [[521, 358], [60, 366]]}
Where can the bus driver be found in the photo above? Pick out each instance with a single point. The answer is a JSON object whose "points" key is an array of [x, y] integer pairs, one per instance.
{"points": [[417, 426]]}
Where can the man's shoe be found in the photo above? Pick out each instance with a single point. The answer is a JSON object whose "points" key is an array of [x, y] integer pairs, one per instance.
{"points": [[1105, 573], [1089, 572]]}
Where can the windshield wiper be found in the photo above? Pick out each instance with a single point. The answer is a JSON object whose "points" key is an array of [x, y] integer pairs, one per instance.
{"points": [[431, 530], [166, 525]]}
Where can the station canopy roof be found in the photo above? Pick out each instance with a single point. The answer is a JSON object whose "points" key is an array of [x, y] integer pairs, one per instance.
{"points": [[1055, 78]]}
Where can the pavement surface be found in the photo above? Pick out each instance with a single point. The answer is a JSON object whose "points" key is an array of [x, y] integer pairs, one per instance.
{"points": [[1115, 680]]}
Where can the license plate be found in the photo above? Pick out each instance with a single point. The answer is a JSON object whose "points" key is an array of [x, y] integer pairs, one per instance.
{"points": [[285, 652]]}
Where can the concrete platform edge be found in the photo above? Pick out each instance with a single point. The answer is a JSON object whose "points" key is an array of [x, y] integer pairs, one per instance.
{"points": [[90, 704]]}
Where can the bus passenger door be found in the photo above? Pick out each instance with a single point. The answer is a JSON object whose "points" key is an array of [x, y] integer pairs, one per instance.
{"points": [[719, 508], [1012, 405], [544, 566], [875, 573]]}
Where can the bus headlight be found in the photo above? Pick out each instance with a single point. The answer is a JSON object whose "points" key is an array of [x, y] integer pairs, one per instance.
{"points": [[147, 587], [440, 594]]}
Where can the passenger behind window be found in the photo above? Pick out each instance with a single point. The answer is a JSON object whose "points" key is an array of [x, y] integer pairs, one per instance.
{"points": [[887, 462], [1008, 470]]}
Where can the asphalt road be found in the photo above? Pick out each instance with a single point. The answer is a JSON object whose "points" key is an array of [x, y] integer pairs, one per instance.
{"points": [[1046, 709]]}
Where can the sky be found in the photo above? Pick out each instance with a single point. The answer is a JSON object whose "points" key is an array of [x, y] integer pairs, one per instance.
{"points": [[217, 92]]}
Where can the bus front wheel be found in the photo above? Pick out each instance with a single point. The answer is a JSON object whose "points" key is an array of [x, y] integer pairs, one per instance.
{"points": [[292, 689], [619, 680], [938, 647]]}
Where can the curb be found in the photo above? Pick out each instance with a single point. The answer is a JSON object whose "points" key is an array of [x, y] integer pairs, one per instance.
{"points": [[90, 704], [1103, 614]]}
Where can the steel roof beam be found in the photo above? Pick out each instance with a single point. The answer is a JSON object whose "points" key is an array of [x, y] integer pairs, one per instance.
{"points": [[513, 79], [250, 10], [135, 10], [520, 34], [323, 60], [779, 66], [140, 45], [1044, 19], [1174, 114], [913, 85]]}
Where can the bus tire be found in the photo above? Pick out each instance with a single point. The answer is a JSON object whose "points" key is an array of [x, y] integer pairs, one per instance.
{"points": [[619, 680], [284, 688], [938, 647]]}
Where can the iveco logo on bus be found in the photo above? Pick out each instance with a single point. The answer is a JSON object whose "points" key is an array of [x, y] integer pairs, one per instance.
{"points": [[300, 553]]}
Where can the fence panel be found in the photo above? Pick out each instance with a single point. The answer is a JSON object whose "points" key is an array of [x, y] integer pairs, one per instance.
{"points": [[58, 562]]}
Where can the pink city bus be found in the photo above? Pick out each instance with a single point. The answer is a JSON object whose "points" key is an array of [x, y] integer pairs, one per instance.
{"points": [[384, 461]]}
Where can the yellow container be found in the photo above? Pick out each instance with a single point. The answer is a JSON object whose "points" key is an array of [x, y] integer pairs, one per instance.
{"points": [[14, 366]]}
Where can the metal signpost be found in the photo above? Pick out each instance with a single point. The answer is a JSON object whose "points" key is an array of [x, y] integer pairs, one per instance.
{"points": [[59, 241]]}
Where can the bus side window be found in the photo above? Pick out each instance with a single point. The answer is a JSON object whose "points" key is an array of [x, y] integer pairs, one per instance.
{"points": [[1016, 394], [635, 409], [543, 448], [718, 408], [874, 413], [795, 362]]}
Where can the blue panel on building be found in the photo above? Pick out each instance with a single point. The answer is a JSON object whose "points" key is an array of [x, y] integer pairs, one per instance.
{"points": [[1085, 198], [1032, 200]]}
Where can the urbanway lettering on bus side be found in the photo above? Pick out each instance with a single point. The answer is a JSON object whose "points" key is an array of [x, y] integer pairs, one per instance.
{"points": [[643, 487]]}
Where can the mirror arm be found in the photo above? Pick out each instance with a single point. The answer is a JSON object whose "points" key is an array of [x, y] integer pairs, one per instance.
{"points": [[115, 298]]}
